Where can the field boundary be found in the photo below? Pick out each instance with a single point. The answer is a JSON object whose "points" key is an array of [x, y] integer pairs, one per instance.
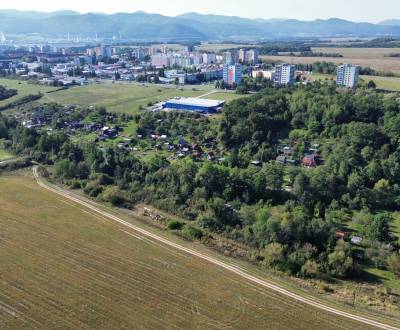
{"points": [[264, 283]]}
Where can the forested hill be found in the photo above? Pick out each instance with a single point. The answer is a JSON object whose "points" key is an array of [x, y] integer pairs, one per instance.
{"points": [[191, 26]]}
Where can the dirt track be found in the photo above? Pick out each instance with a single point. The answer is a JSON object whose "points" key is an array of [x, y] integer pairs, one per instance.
{"points": [[267, 284]]}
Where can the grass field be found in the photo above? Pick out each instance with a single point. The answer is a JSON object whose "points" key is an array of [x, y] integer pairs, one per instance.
{"points": [[65, 267], [128, 98], [23, 89], [228, 97], [4, 155], [386, 83], [372, 57], [118, 97]]}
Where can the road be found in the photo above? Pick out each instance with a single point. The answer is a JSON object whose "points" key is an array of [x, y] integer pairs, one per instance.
{"points": [[262, 282]]}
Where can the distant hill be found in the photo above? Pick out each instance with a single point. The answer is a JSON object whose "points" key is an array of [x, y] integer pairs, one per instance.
{"points": [[190, 26], [391, 22]]}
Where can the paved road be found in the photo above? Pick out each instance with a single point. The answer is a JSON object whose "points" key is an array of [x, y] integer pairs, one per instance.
{"points": [[267, 284]]}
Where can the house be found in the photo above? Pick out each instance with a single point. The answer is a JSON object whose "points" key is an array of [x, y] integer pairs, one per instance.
{"points": [[281, 159], [256, 163], [312, 160], [309, 161], [288, 151], [356, 240], [211, 156], [340, 234]]}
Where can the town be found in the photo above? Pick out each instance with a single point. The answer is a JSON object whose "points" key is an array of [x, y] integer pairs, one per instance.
{"points": [[158, 64], [179, 168]]}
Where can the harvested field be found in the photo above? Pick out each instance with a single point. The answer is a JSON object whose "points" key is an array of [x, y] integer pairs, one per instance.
{"points": [[63, 266], [375, 58]]}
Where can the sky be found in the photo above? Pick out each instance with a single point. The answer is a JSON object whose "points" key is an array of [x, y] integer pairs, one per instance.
{"points": [[356, 10]]}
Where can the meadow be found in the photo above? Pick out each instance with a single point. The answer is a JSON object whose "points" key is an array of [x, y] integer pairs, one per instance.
{"points": [[65, 267], [385, 83], [5, 155], [24, 88], [375, 58], [123, 98]]}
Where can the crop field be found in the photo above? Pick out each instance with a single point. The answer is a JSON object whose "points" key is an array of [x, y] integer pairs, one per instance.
{"points": [[123, 98], [209, 47], [375, 58], [23, 88], [65, 267]]}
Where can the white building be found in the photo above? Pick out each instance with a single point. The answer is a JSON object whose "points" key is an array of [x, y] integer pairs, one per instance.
{"points": [[347, 75], [209, 58], [285, 74], [266, 74]]}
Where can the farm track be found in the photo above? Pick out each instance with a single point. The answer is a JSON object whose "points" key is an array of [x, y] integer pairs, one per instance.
{"points": [[310, 301]]}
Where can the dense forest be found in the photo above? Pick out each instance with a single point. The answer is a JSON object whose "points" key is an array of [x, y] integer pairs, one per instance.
{"points": [[294, 215]]}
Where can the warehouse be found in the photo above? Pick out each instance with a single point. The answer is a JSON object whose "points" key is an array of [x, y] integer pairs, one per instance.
{"points": [[194, 104]]}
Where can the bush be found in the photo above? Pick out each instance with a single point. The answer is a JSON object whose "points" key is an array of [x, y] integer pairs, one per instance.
{"points": [[175, 225], [393, 263], [114, 196], [192, 233], [93, 189]]}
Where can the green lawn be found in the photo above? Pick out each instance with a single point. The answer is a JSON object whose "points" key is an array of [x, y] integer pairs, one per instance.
{"points": [[386, 83], [4, 155], [387, 278], [225, 96], [395, 225], [24, 88], [123, 98]]}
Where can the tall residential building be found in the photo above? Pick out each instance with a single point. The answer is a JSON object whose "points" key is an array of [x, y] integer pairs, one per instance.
{"points": [[251, 56], [104, 51], [228, 58], [248, 56], [161, 60], [209, 58], [285, 74], [138, 53], [347, 75], [233, 74], [242, 56]]}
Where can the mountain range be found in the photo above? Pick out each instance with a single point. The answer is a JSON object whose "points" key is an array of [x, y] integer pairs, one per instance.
{"points": [[190, 26]]}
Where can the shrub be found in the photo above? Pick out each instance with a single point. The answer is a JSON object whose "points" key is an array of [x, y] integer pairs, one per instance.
{"points": [[192, 232], [113, 195], [175, 225]]}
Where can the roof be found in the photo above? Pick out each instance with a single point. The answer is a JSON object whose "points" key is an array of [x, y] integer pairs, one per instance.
{"points": [[191, 101]]}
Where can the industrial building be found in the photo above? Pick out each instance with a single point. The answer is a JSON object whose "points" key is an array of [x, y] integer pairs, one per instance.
{"points": [[194, 104]]}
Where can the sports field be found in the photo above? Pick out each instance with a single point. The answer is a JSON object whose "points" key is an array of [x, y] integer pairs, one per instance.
{"points": [[63, 266], [376, 58]]}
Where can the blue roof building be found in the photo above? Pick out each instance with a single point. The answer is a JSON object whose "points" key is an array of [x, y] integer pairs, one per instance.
{"points": [[194, 104]]}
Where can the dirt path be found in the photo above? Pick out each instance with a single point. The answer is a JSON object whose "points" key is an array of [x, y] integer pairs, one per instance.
{"points": [[267, 284]]}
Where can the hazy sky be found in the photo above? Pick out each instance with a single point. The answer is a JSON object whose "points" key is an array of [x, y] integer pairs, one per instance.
{"points": [[357, 10]]}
